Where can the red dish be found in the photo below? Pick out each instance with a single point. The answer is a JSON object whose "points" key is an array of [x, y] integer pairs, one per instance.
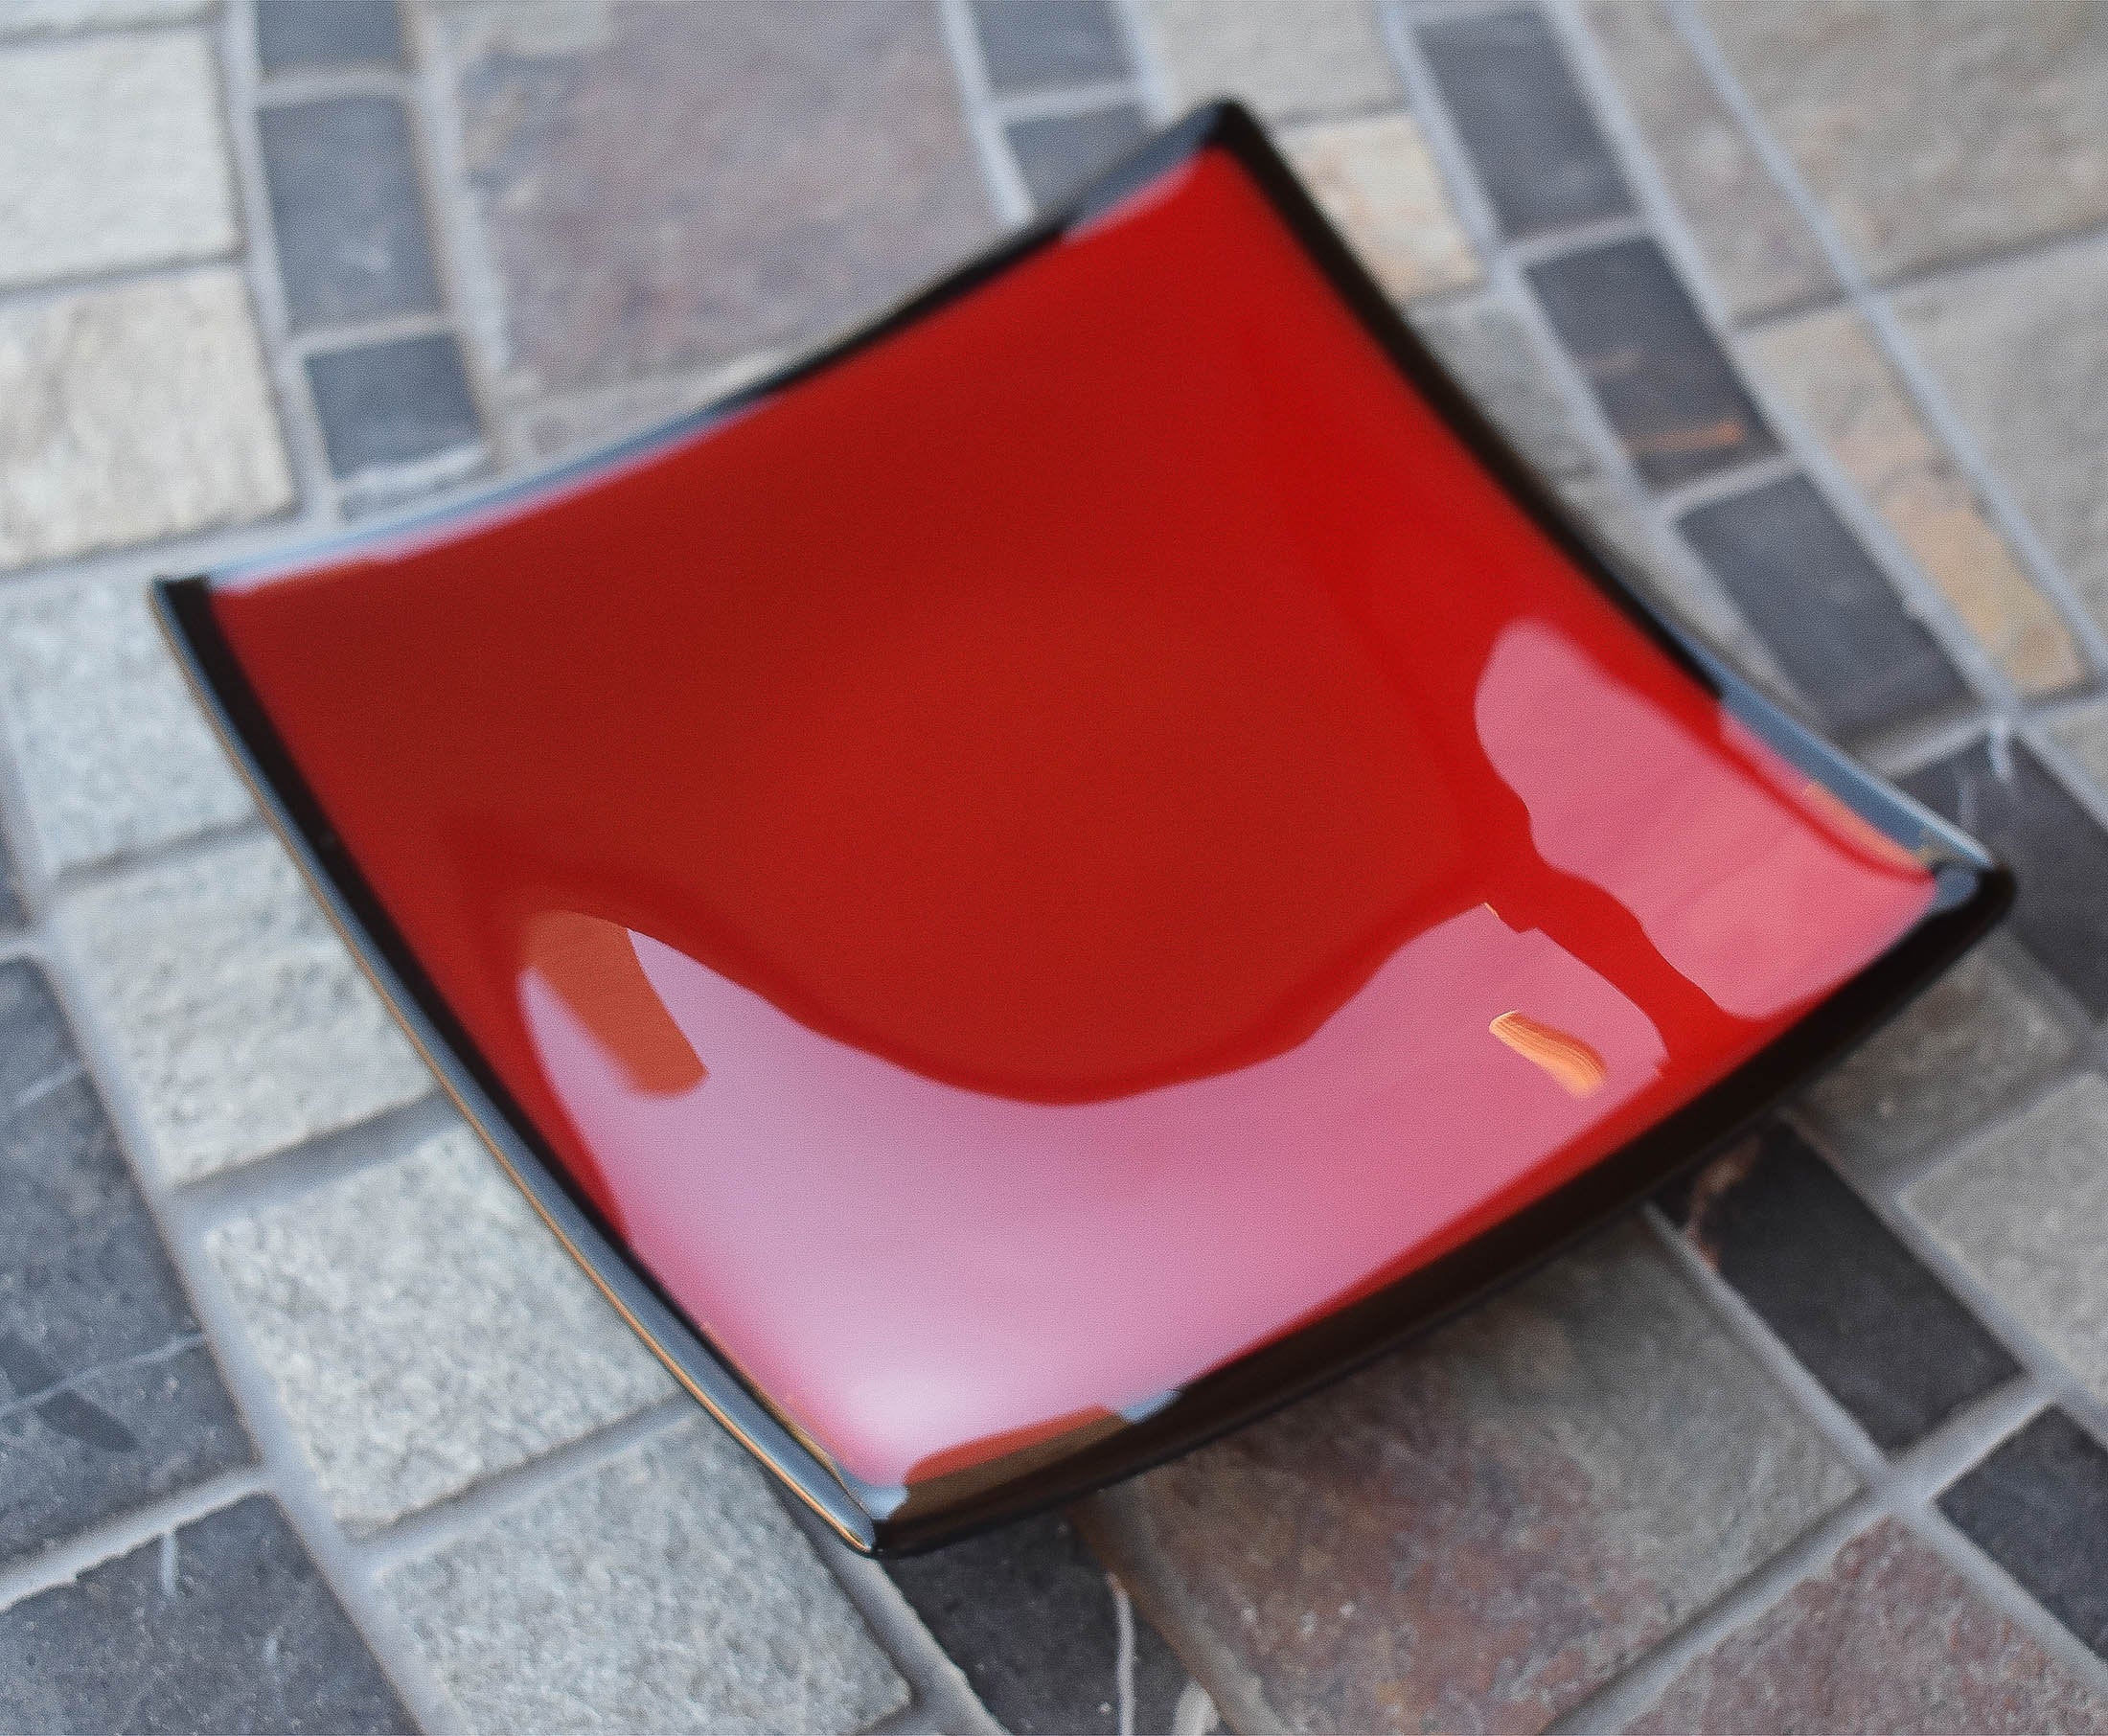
{"points": [[1070, 866]]}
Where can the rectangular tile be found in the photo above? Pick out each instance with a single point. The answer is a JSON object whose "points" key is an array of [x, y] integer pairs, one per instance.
{"points": [[296, 34], [1029, 1615], [393, 403], [662, 1590], [1478, 1533], [1484, 343], [346, 209], [1532, 138], [1378, 183], [1885, 1338], [223, 1625], [2003, 793], [1824, 610], [108, 1394], [1041, 45], [1670, 392], [1057, 153], [2038, 1507], [1288, 58]]}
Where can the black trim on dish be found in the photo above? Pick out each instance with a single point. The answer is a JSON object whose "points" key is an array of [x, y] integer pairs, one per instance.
{"points": [[1972, 892]]}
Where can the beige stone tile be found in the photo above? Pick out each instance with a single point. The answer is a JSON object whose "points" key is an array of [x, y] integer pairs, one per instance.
{"points": [[132, 414], [1285, 58], [1377, 181], [2084, 735], [111, 154], [24, 16], [1827, 370]]}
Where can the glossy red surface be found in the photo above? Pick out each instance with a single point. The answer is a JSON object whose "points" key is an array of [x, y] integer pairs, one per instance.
{"points": [[1062, 846]]}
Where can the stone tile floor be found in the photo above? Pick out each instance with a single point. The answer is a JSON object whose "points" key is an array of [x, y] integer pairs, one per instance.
{"points": [[1801, 304]]}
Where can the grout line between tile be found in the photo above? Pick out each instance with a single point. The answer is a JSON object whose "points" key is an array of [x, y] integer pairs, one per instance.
{"points": [[1000, 172], [1576, 238], [269, 1183], [63, 1561], [62, 884], [1056, 102]]}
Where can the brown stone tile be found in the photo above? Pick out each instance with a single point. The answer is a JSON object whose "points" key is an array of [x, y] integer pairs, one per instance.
{"points": [[1887, 1638], [1763, 256], [665, 185], [1826, 368], [577, 424], [1285, 58], [1933, 129], [1378, 182], [1480, 1533], [2084, 735]]}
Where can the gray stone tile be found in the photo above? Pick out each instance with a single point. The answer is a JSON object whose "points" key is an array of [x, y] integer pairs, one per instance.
{"points": [[243, 1025], [665, 1591], [1937, 129], [131, 414], [221, 1626], [1539, 153], [805, 165], [1378, 183], [426, 1330], [1827, 611], [1057, 153], [295, 34], [393, 403], [1288, 58], [1886, 1636], [108, 1394], [1490, 350], [2027, 1211], [111, 156], [1975, 1040], [1476, 1534], [2020, 351], [1667, 388], [111, 751], [1029, 1615], [1762, 256], [345, 207], [1038, 44], [2058, 853]]}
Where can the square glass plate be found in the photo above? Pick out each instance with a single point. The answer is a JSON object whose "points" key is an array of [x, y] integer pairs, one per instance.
{"points": [[1071, 866]]}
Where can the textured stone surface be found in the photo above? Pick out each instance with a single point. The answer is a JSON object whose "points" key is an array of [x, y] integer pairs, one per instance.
{"points": [[1491, 352], [108, 1396], [1057, 153], [1476, 1535], [1976, 1039], [2084, 735], [28, 15], [2001, 792], [662, 1591], [393, 403], [1031, 1617], [2020, 351], [221, 1626], [344, 209], [299, 33], [1826, 369], [2038, 1506], [242, 1023], [1285, 58], [111, 751], [1855, 1305], [1668, 390], [1379, 184], [1761, 255], [110, 155], [1531, 135], [1887, 1638], [424, 1330], [1937, 128], [806, 164], [582, 421], [2027, 1211], [133, 413], [1032, 44], [1827, 612]]}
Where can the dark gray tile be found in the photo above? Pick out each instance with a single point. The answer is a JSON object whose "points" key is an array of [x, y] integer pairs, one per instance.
{"points": [[1539, 156], [345, 204], [393, 402], [2038, 1506], [108, 1396], [1669, 390], [1824, 610], [1028, 1614], [221, 1626], [11, 891], [1881, 1332], [1032, 44], [2008, 799], [1060, 152], [291, 34]]}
